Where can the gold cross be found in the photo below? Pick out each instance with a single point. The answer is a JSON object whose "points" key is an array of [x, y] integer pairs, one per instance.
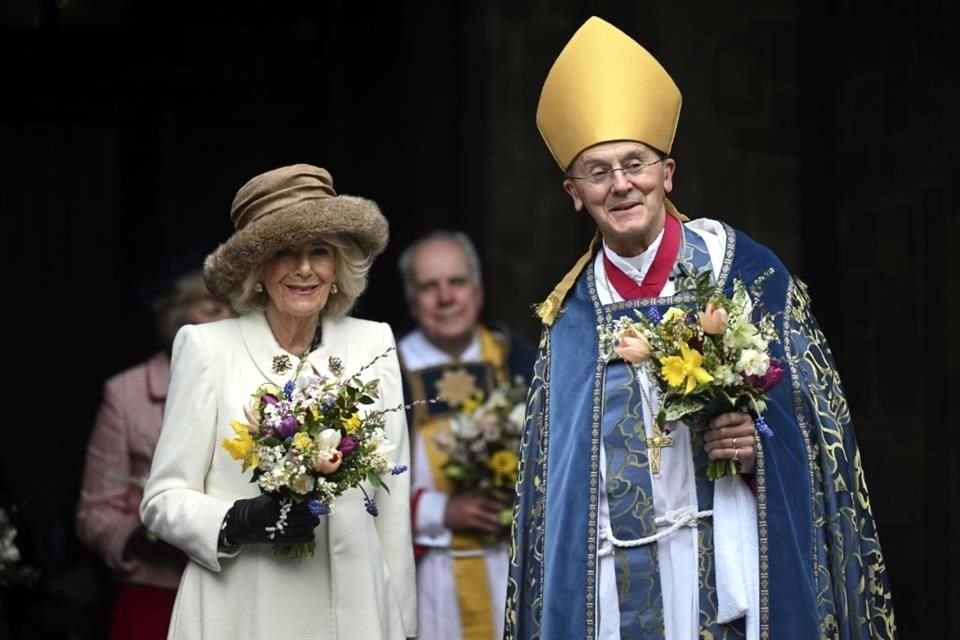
{"points": [[654, 444]]}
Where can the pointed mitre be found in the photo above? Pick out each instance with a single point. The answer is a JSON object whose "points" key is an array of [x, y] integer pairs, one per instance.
{"points": [[604, 87]]}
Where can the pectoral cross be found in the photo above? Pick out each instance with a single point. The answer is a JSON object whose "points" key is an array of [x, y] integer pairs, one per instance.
{"points": [[655, 443]]}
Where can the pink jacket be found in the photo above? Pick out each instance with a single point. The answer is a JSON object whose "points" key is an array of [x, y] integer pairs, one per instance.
{"points": [[118, 460]]}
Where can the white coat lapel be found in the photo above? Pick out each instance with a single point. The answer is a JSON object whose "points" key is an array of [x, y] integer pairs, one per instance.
{"points": [[333, 344], [272, 361]]}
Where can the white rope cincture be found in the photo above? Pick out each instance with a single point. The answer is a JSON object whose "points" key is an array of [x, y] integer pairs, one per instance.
{"points": [[671, 521], [466, 553]]}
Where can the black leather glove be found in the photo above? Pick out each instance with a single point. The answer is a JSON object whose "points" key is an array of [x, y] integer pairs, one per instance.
{"points": [[247, 522]]}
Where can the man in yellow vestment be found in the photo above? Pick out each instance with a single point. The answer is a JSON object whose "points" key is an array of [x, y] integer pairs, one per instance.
{"points": [[449, 357]]}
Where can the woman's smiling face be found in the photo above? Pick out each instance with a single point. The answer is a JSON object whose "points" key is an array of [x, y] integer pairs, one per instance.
{"points": [[298, 280]]}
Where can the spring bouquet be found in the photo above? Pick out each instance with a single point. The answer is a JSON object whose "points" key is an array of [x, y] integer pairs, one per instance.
{"points": [[705, 358], [309, 441], [12, 571], [482, 445]]}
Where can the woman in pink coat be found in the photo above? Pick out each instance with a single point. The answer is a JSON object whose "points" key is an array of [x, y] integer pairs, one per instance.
{"points": [[119, 453]]}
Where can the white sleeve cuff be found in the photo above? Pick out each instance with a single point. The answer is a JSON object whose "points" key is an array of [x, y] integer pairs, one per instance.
{"points": [[429, 528]]}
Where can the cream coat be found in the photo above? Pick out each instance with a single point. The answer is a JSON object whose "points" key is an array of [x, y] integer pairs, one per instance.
{"points": [[360, 584]]}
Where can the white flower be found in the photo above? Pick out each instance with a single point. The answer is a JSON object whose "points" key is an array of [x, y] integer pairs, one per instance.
{"points": [[740, 335], [465, 427], [724, 375], [308, 380], [742, 302], [302, 483], [497, 398], [489, 424], [378, 442], [8, 549], [328, 439], [517, 414], [753, 362]]}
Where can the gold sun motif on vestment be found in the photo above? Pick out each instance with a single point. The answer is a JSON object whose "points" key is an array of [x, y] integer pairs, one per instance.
{"points": [[455, 386]]}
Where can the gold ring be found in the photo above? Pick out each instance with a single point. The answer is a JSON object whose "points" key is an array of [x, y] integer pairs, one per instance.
{"points": [[736, 455]]}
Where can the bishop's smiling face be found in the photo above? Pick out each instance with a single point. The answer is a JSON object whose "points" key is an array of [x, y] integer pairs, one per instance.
{"points": [[298, 280], [628, 209]]}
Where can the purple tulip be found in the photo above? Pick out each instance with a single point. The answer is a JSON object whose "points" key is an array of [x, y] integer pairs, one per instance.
{"points": [[287, 427], [348, 444], [268, 398]]}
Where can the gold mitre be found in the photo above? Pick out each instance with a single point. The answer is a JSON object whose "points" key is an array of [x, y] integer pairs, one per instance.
{"points": [[604, 87]]}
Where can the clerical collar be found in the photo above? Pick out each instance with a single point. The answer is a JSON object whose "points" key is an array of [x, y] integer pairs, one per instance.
{"points": [[635, 267], [419, 353]]}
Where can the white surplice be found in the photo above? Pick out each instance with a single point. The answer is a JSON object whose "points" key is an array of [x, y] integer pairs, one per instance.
{"points": [[674, 487]]}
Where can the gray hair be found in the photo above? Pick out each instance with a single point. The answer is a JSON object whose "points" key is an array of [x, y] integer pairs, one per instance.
{"points": [[171, 307], [405, 263], [353, 265]]}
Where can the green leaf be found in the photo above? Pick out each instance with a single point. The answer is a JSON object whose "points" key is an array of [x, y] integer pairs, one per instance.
{"points": [[679, 407], [377, 481]]}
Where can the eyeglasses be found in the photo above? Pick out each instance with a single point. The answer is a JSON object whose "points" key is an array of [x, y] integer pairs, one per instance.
{"points": [[600, 176]]}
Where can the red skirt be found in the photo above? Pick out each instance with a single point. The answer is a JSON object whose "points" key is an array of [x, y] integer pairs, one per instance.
{"points": [[141, 612]]}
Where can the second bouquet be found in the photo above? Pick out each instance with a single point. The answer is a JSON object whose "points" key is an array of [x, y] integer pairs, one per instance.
{"points": [[482, 445]]}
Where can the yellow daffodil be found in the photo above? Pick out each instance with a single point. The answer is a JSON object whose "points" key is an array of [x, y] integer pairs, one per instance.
{"points": [[352, 423], [673, 314], [242, 446], [685, 369], [302, 441], [504, 465], [473, 403]]}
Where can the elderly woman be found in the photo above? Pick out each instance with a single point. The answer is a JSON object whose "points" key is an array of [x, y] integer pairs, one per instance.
{"points": [[118, 457], [294, 267]]}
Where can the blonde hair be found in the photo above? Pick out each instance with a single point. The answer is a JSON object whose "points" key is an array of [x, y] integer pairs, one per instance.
{"points": [[353, 265]]}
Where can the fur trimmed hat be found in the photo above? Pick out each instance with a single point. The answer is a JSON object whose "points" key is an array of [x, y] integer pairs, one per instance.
{"points": [[284, 208]]}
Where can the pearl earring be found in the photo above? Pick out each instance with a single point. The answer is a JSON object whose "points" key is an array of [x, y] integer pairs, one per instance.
{"points": [[258, 288], [334, 289]]}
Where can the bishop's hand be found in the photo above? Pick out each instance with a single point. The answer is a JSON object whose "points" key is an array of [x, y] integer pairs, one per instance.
{"points": [[732, 436]]}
